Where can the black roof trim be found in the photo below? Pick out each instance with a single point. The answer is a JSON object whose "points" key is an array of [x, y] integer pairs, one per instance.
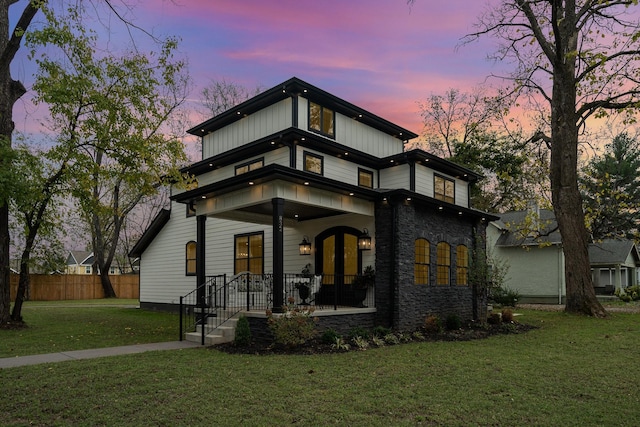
{"points": [[296, 87], [434, 162], [150, 233]]}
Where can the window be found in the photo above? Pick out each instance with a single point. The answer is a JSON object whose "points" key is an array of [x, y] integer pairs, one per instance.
{"points": [[313, 163], [249, 253], [87, 269], [321, 119], [421, 266], [365, 178], [462, 265], [190, 257], [443, 255], [444, 189], [249, 166]]}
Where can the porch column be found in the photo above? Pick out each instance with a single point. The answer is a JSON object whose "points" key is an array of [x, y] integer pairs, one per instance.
{"points": [[278, 256], [200, 265]]}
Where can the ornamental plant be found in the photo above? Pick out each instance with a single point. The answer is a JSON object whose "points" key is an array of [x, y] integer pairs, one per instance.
{"points": [[294, 327]]}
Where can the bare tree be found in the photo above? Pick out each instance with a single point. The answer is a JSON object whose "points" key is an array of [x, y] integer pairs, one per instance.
{"points": [[219, 96]]}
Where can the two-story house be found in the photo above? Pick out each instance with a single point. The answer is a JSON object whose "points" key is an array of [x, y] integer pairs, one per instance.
{"points": [[298, 176]]}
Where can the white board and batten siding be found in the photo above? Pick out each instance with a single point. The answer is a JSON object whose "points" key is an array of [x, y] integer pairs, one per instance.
{"points": [[425, 185], [339, 169], [396, 177], [260, 124], [351, 133]]}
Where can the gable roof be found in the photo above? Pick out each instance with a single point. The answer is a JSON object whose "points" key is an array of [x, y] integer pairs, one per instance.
{"points": [[150, 233], [80, 258], [510, 223], [296, 87], [613, 252]]}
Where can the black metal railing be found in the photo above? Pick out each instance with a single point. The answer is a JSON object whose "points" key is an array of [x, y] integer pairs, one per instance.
{"points": [[202, 305]]}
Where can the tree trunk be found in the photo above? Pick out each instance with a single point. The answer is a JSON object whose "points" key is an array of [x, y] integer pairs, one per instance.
{"points": [[567, 202], [107, 287], [23, 285]]}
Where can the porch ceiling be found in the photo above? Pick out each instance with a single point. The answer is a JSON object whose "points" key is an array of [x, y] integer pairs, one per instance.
{"points": [[293, 211]]}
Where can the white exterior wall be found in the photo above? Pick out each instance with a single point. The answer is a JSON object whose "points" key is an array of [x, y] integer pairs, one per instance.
{"points": [[425, 185], [335, 168], [354, 134], [258, 125], [396, 177]]}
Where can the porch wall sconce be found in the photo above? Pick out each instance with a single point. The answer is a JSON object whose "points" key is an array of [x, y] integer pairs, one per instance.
{"points": [[305, 246], [364, 241]]}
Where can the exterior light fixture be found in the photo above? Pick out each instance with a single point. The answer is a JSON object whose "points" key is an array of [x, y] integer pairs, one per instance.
{"points": [[364, 241], [305, 246]]}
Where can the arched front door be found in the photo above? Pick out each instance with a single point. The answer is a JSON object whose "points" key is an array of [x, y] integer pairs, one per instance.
{"points": [[337, 255]]}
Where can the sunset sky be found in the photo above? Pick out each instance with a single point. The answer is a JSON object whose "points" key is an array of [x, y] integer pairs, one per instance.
{"points": [[383, 55]]}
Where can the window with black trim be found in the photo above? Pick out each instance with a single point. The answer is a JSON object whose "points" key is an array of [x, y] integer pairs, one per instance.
{"points": [[190, 257], [321, 119], [422, 260], [249, 253], [444, 189], [250, 166], [462, 265], [443, 260], [365, 178], [313, 163]]}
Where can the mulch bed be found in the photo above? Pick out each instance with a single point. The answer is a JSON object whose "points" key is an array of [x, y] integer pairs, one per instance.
{"points": [[316, 346]]}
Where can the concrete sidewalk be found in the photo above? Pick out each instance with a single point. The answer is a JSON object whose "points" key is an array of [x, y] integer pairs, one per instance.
{"points": [[12, 362]]}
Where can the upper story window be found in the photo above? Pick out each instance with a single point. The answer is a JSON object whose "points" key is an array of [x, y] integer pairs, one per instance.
{"points": [[313, 163], [365, 178], [321, 119], [422, 260], [250, 166], [444, 189]]}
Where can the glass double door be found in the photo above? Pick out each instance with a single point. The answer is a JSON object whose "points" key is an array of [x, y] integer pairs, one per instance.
{"points": [[338, 257]]}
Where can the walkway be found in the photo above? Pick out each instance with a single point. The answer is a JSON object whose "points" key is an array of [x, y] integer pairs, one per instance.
{"points": [[12, 362]]}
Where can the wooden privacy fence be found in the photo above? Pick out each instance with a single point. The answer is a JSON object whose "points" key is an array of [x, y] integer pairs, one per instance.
{"points": [[59, 287]]}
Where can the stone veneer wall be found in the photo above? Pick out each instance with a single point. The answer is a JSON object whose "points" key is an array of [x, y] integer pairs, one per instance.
{"points": [[401, 304]]}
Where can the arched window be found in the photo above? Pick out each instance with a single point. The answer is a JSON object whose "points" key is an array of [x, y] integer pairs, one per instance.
{"points": [[462, 265], [421, 265], [190, 257], [443, 256]]}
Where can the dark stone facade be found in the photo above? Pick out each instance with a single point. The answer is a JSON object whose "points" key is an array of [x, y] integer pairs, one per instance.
{"points": [[402, 304]]}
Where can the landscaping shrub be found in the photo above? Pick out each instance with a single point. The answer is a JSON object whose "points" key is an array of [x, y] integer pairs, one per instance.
{"points": [[293, 328], [432, 325], [359, 332], [453, 322], [381, 331], [631, 293], [504, 296], [507, 315], [329, 336], [243, 332], [494, 318]]}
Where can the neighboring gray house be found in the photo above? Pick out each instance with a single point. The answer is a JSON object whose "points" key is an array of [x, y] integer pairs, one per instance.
{"points": [[536, 259], [298, 176]]}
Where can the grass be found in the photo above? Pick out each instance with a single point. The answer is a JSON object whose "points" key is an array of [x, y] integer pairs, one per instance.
{"points": [[573, 371], [79, 325]]}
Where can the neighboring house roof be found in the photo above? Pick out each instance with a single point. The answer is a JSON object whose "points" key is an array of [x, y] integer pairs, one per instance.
{"points": [[613, 252], [80, 258], [150, 233], [545, 232]]}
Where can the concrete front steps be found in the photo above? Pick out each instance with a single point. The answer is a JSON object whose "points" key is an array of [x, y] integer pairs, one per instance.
{"points": [[214, 334]]}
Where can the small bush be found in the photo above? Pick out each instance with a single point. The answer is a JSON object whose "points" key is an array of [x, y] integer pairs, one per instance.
{"points": [[418, 336], [381, 331], [329, 336], [340, 344], [391, 338], [243, 332], [631, 293], [378, 341], [359, 332], [293, 328], [432, 325], [507, 315], [453, 322], [361, 342], [494, 318], [504, 296]]}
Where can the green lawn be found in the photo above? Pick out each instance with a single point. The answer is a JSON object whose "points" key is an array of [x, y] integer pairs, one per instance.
{"points": [[79, 325], [572, 371]]}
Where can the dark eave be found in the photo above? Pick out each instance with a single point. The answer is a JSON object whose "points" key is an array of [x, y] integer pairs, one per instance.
{"points": [[297, 87], [271, 173], [436, 163], [150, 233]]}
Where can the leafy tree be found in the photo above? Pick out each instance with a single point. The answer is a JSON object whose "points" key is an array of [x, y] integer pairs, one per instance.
{"points": [[471, 129], [111, 109], [611, 190], [10, 91], [580, 59]]}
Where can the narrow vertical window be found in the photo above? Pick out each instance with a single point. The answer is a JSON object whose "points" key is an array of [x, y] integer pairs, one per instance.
{"points": [[190, 257], [421, 264], [443, 256], [249, 253], [365, 178], [462, 265]]}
